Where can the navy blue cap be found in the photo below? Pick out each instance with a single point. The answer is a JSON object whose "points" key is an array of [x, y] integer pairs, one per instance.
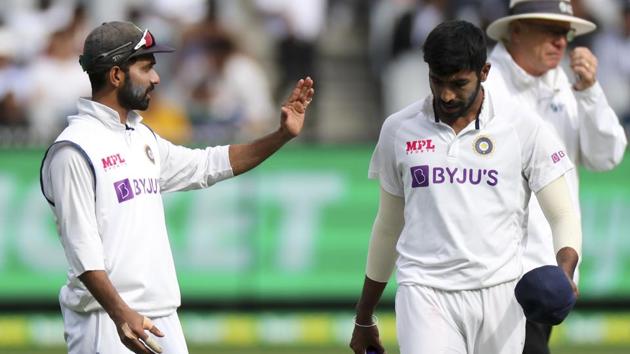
{"points": [[113, 43], [546, 295]]}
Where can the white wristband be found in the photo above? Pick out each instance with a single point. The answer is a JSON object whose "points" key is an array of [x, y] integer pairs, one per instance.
{"points": [[373, 324]]}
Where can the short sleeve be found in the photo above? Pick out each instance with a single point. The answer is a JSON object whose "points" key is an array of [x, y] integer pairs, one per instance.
{"points": [[384, 165], [545, 158]]}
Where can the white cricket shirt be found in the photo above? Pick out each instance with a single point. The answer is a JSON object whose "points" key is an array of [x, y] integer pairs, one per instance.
{"points": [[104, 182], [583, 121], [465, 194]]}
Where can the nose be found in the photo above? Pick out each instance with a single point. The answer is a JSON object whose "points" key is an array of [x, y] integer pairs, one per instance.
{"points": [[447, 95], [155, 77]]}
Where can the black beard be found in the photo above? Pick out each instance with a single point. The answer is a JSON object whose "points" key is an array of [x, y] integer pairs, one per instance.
{"points": [[133, 97], [462, 111]]}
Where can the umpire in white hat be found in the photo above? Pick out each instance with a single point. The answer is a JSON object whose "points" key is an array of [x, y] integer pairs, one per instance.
{"points": [[532, 41]]}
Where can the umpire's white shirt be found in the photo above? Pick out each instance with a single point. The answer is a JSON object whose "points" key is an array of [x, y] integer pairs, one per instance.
{"points": [[583, 121], [465, 194], [103, 180]]}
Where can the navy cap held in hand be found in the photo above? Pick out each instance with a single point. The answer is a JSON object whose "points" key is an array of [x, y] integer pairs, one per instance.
{"points": [[546, 295]]}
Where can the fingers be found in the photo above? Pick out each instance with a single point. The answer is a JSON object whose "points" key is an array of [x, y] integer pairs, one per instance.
{"points": [[366, 341], [131, 341], [152, 344], [148, 341], [138, 343], [307, 93], [302, 92], [297, 90], [147, 324], [584, 65]]}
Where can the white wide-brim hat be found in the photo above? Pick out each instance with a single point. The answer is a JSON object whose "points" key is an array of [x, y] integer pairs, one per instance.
{"points": [[555, 10]]}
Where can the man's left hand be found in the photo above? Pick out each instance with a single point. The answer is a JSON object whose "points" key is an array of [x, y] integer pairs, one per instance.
{"points": [[584, 65]]}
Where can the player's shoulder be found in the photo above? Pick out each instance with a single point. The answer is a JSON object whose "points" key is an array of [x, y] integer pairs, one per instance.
{"points": [[507, 110], [415, 110]]}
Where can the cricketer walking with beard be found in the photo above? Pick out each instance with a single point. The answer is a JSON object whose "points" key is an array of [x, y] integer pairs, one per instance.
{"points": [[456, 170]]}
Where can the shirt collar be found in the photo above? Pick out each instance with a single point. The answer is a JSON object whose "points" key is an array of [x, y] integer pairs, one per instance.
{"points": [[519, 76], [106, 115], [484, 115]]}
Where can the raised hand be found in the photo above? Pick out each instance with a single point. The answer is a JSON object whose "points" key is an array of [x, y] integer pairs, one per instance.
{"points": [[584, 65], [294, 108]]}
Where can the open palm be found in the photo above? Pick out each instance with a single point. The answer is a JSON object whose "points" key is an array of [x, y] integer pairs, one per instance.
{"points": [[294, 108]]}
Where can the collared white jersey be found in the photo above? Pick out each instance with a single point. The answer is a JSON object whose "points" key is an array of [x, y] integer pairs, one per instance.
{"points": [[583, 121], [466, 194], [104, 182]]}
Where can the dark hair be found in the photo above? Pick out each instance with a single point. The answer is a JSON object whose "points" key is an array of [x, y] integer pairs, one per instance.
{"points": [[98, 79], [454, 46]]}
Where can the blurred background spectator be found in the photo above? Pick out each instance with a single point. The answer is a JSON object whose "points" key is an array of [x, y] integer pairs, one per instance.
{"points": [[236, 59], [612, 47], [13, 92]]}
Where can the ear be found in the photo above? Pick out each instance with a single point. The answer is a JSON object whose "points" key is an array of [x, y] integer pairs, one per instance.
{"points": [[485, 70], [116, 76], [515, 29]]}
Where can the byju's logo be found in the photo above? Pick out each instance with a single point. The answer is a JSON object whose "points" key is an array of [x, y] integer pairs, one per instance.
{"points": [[422, 175], [123, 190]]}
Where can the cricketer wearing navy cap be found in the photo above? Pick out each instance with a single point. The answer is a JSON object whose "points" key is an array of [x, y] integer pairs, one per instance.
{"points": [[104, 177], [546, 295], [113, 43]]}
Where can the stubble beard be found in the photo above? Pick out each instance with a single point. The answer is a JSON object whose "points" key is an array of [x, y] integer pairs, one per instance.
{"points": [[465, 107], [134, 97]]}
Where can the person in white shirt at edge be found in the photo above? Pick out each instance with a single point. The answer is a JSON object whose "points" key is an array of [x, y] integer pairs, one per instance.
{"points": [[456, 170], [532, 41], [103, 178]]}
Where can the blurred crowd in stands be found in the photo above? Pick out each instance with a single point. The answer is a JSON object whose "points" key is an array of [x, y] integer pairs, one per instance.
{"points": [[236, 59]]}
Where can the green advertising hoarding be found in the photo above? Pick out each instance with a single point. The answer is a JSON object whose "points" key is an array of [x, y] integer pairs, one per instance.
{"points": [[295, 228]]}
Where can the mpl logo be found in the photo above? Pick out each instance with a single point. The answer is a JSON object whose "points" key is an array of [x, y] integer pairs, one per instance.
{"points": [[422, 145], [123, 190], [113, 161]]}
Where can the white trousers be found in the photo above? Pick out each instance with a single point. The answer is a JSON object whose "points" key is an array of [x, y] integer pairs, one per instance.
{"points": [[483, 321], [95, 333]]}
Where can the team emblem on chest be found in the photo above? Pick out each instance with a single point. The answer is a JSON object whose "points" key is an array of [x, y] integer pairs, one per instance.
{"points": [[483, 145], [149, 152]]}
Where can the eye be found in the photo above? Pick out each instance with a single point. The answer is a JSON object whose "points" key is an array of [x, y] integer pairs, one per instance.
{"points": [[460, 83]]}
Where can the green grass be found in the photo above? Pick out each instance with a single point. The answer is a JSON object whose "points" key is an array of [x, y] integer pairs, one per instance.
{"points": [[581, 349]]}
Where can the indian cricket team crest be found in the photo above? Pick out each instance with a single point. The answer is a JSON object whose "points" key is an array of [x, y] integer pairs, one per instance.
{"points": [[483, 145], [149, 152]]}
